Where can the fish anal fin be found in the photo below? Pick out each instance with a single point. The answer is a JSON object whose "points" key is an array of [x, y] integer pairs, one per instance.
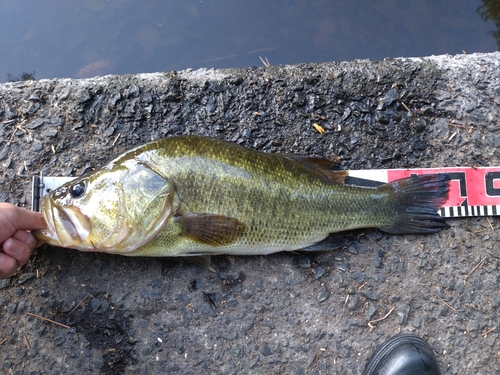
{"points": [[322, 167], [332, 242], [210, 229]]}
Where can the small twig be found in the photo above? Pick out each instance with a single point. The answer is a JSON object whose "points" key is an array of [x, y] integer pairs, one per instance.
{"points": [[383, 318], [265, 61], [457, 125], [362, 285], [489, 222], [473, 269], [118, 136], [27, 342], [476, 308], [12, 136], [48, 320], [8, 122], [489, 331], [63, 163], [18, 127], [346, 299], [237, 55], [4, 341], [79, 304], [404, 105], [476, 267], [381, 247], [445, 303]]}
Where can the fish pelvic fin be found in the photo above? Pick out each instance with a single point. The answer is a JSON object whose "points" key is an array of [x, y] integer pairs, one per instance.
{"points": [[210, 229], [202, 261], [418, 198]]}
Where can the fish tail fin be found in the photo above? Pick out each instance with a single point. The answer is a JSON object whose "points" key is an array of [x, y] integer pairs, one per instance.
{"points": [[418, 198]]}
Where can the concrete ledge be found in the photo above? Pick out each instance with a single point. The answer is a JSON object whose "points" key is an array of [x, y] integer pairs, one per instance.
{"points": [[285, 313]]}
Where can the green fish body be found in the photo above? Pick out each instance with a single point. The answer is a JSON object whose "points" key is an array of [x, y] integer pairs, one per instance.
{"points": [[192, 195]]}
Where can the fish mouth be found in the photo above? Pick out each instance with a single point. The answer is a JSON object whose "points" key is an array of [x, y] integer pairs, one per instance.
{"points": [[67, 226]]}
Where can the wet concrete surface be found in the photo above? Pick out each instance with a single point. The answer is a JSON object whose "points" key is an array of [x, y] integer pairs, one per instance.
{"points": [[309, 313]]}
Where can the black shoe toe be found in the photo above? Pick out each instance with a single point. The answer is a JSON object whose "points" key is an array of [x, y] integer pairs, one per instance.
{"points": [[403, 355]]}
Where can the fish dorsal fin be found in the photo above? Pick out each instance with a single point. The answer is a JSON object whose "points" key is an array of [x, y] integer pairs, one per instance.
{"points": [[322, 167], [210, 229]]}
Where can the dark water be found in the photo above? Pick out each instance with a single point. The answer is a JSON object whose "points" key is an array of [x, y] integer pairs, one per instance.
{"points": [[83, 38]]}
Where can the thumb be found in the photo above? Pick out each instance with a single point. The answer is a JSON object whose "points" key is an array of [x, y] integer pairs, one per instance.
{"points": [[21, 218]]}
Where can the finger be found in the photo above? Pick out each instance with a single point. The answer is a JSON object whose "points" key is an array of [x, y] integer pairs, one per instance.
{"points": [[8, 266], [17, 250], [21, 218], [25, 237]]}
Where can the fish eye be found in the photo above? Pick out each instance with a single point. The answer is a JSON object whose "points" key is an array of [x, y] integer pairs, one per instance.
{"points": [[78, 190]]}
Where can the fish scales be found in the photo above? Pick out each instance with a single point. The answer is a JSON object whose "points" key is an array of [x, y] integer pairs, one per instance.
{"points": [[264, 191], [224, 198]]}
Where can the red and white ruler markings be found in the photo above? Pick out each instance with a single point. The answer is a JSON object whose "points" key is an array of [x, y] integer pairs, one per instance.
{"points": [[473, 191]]}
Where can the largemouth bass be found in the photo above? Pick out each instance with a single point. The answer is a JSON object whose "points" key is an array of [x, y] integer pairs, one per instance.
{"points": [[192, 195]]}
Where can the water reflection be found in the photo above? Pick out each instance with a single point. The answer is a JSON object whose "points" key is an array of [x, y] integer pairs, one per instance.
{"points": [[98, 68], [23, 77], [81, 39], [490, 11]]}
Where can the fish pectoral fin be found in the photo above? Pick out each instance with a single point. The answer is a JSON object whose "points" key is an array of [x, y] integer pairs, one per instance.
{"points": [[210, 229], [325, 169]]}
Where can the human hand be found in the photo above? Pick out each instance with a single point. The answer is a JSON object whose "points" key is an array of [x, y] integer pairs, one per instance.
{"points": [[16, 242]]}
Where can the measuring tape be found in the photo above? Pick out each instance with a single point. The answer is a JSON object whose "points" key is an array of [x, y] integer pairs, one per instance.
{"points": [[472, 191]]}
